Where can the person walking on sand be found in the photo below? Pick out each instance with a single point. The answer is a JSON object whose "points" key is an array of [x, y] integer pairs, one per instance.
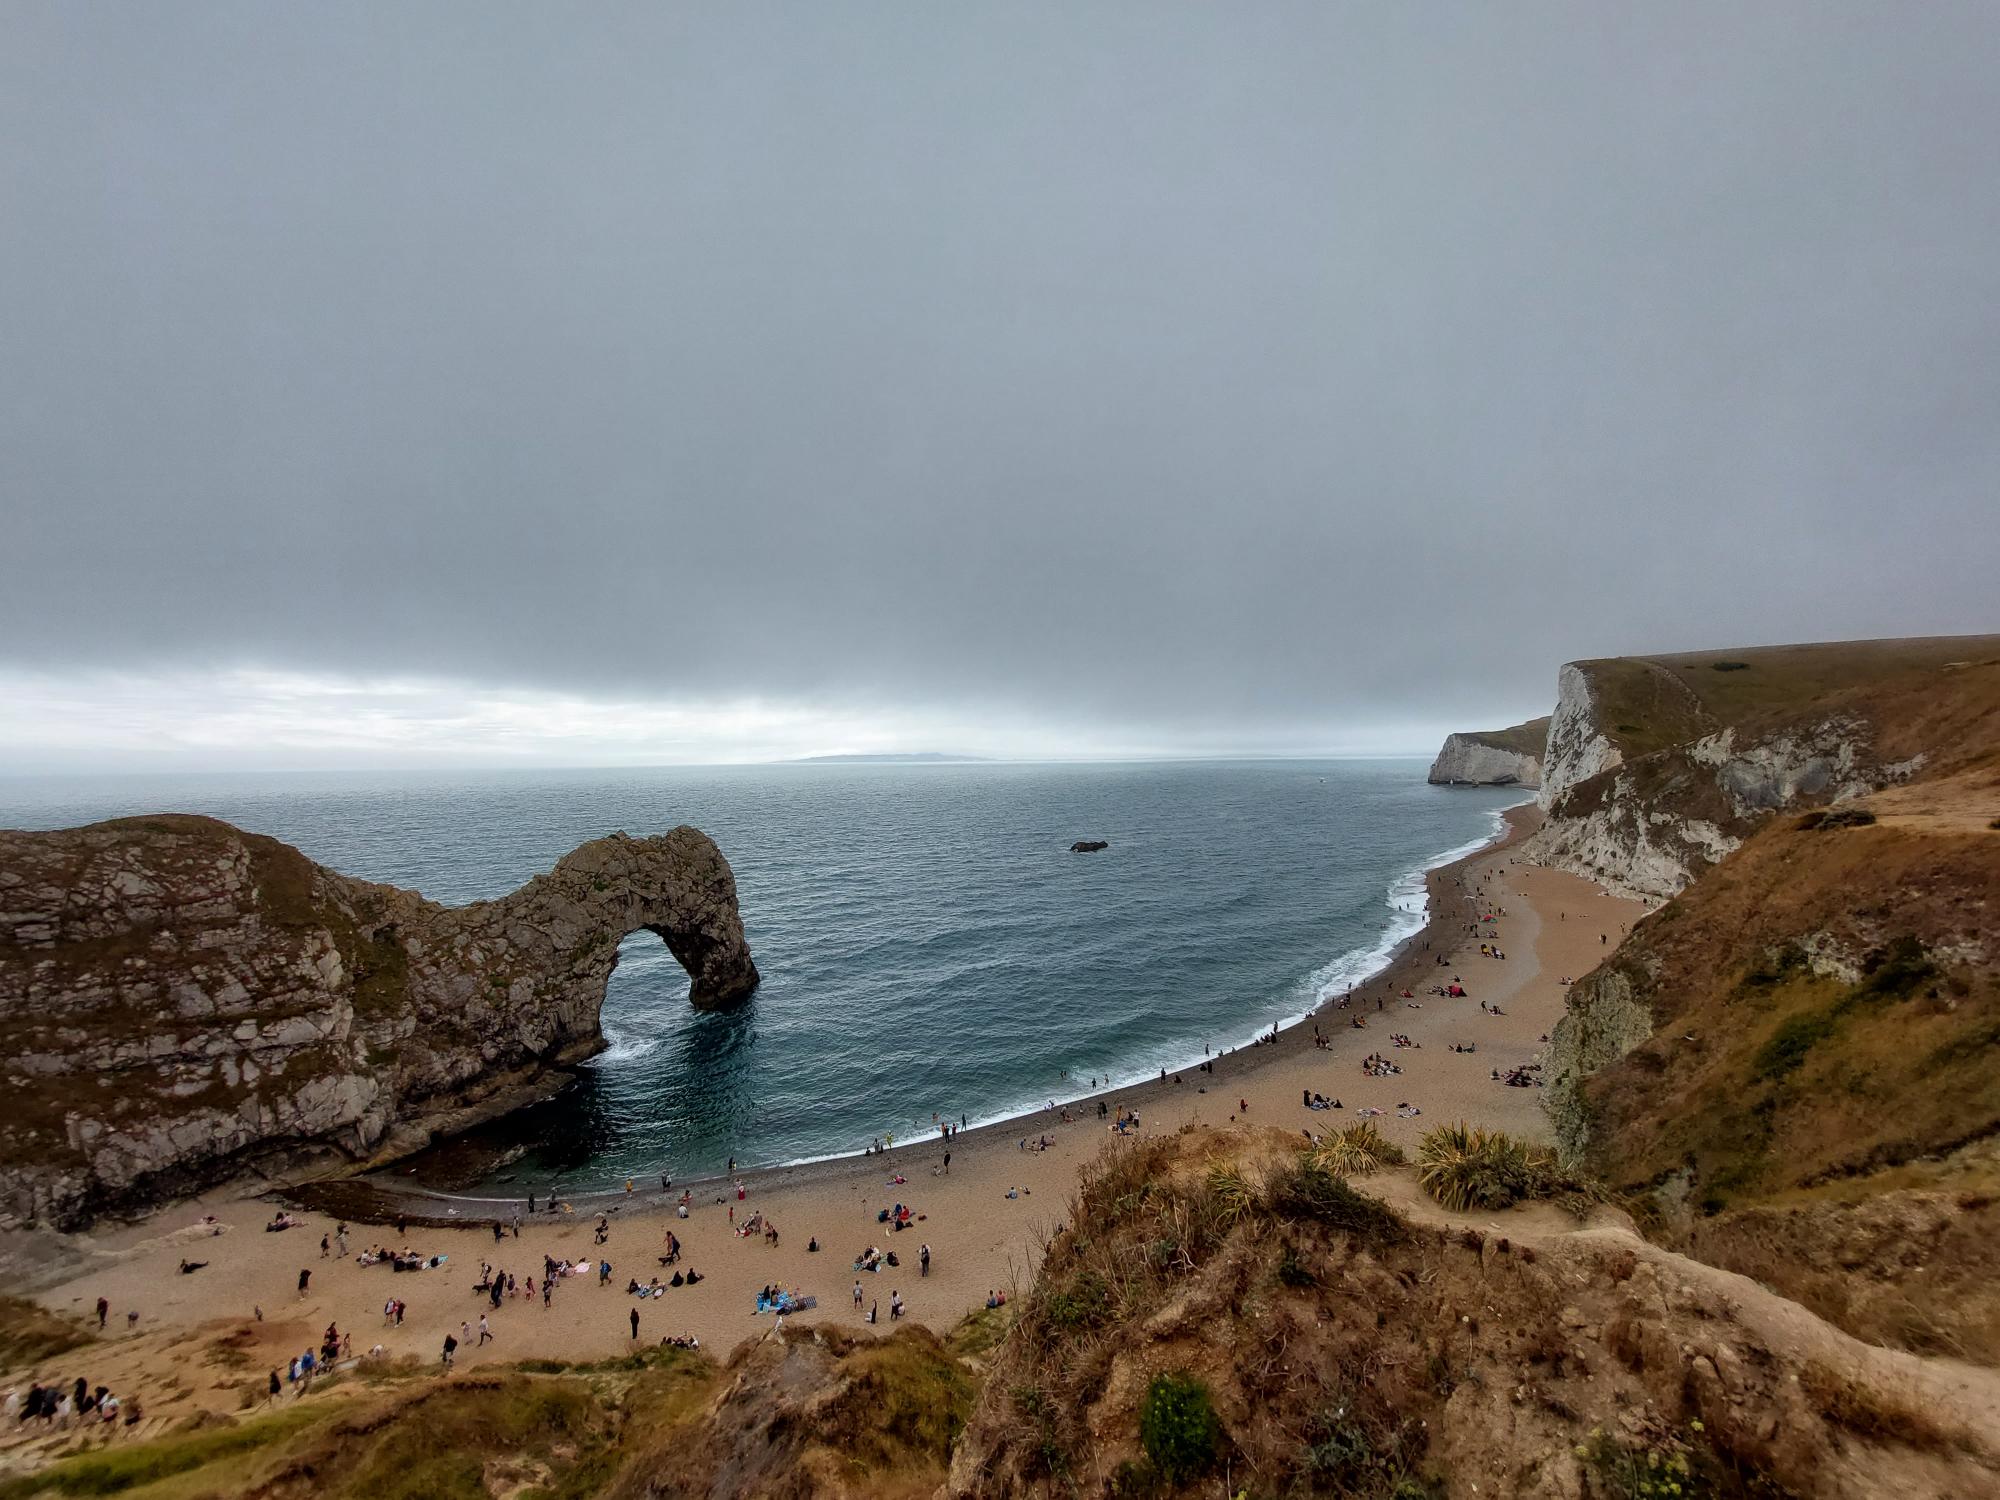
{"points": [[277, 1386], [103, 1311], [485, 1333], [305, 1276], [857, 1295], [450, 1348], [947, 1164], [635, 1325], [924, 1260]]}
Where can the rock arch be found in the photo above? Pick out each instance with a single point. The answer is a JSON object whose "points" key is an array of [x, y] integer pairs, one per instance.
{"points": [[189, 1002]]}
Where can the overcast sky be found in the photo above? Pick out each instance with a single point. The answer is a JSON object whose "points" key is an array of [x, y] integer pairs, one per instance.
{"points": [[659, 382]]}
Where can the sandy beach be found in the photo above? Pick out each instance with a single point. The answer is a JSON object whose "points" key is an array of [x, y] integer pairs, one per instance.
{"points": [[985, 1220]]}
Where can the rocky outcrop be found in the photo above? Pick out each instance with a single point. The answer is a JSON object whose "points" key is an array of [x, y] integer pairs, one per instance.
{"points": [[1605, 1016], [187, 1002], [1089, 846], [1501, 757]]}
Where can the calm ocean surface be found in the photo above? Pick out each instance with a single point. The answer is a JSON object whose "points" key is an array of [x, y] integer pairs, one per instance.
{"points": [[927, 941]]}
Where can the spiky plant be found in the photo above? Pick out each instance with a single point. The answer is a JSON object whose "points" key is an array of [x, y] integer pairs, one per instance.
{"points": [[1466, 1167], [1358, 1150], [1233, 1197]]}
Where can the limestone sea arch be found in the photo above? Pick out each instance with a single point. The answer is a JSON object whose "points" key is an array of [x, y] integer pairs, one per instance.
{"points": [[184, 1002]]}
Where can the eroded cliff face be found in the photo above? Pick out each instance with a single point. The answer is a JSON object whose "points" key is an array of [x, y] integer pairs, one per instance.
{"points": [[1578, 748], [1652, 823], [187, 1002]]}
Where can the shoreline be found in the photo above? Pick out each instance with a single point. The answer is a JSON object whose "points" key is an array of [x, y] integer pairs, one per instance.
{"points": [[987, 1216], [372, 1197]]}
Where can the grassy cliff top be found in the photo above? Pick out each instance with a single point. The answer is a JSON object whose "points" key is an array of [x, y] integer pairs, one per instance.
{"points": [[1646, 703], [1531, 738]]}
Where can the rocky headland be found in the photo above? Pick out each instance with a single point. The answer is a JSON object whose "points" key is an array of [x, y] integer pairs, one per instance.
{"points": [[1493, 757], [188, 1003]]}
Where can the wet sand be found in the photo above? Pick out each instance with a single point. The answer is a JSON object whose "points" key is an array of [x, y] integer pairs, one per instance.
{"points": [[986, 1222]]}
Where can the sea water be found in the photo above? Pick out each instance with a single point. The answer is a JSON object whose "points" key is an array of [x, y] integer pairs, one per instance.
{"points": [[928, 942]]}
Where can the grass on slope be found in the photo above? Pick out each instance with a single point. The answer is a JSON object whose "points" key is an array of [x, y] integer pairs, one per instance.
{"points": [[550, 1437], [30, 1333], [1646, 703]]}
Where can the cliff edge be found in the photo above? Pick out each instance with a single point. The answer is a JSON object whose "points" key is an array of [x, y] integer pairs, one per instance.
{"points": [[1493, 757], [188, 1002], [1659, 767]]}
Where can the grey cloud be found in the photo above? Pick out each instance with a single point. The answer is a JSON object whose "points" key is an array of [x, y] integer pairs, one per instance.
{"points": [[1281, 366]]}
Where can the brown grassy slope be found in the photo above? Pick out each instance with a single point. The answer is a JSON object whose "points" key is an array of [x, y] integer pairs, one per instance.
{"points": [[1646, 703], [1346, 1349], [1825, 1011]]}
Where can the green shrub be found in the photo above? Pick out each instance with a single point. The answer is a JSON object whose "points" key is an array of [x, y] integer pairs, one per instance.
{"points": [[1178, 1427]]}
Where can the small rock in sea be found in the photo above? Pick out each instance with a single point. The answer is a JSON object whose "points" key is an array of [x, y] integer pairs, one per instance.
{"points": [[1089, 846]]}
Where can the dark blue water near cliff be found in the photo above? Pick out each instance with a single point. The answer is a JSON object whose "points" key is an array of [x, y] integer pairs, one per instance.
{"points": [[927, 940]]}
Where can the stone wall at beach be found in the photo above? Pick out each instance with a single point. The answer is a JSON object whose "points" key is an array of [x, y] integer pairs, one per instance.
{"points": [[188, 1003]]}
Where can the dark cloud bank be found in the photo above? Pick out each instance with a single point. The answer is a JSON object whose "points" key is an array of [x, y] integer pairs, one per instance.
{"points": [[1277, 367]]}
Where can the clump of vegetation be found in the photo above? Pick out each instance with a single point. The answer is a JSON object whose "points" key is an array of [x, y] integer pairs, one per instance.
{"points": [[1729, 666], [1466, 1167], [1787, 1047], [981, 1330], [1231, 1193], [1084, 1301], [1652, 1471], [1178, 1427], [1311, 1190], [30, 1333], [1348, 1453], [1359, 1150]]}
